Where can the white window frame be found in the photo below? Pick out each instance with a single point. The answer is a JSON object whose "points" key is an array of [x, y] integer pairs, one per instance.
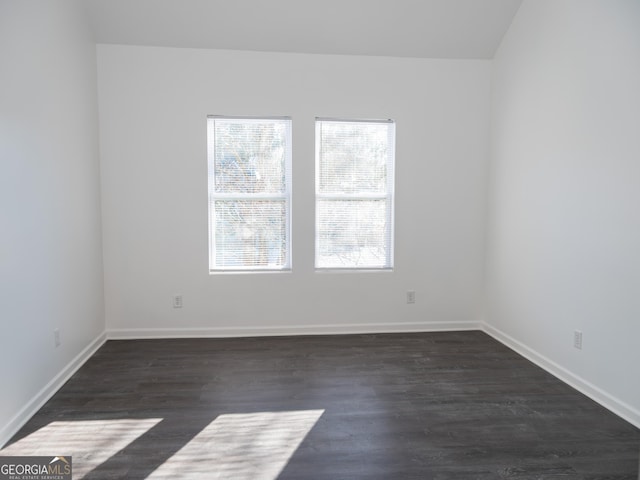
{"points": [[388, 195], [216, 196]]}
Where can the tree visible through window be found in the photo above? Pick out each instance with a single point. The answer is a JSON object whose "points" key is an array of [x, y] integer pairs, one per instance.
{"points": [[249, 193], [354, 194]]}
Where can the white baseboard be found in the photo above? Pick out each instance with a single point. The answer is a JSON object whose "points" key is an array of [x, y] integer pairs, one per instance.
{"points": [[288, 330], [617, 406], [30, 409]]}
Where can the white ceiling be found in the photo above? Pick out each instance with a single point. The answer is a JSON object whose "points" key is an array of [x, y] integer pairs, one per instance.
{"points": [[402, 28]]}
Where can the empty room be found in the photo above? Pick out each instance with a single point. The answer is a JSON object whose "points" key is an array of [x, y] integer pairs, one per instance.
{"points": [[354, 239]]}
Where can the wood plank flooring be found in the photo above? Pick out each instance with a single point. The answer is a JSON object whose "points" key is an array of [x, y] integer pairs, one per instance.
{"points": [[451, 405]]}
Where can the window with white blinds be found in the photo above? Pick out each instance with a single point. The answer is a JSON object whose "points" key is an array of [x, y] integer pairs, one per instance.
{"points": [[249, 193], [354, 194]]}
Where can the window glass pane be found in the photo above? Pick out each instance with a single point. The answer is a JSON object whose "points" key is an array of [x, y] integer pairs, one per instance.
{"points": [[352, 233], [354, 157], [249, 193], [250, 155], [354, 193], [250, 233]]}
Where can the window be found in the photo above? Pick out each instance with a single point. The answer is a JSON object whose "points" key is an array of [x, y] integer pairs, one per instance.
{"points": [[354, 194], [249, 193]]}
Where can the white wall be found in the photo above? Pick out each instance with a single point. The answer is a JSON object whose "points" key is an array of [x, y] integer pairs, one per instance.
{"points": [[564, 232], [50, 241], [153, 108]]}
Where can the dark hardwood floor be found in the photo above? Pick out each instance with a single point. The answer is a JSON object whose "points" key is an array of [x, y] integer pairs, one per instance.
{"points": [[454, 405]]}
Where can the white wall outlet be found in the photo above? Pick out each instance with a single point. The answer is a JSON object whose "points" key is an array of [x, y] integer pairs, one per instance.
{"points": [[177, 301], [411, 296], [56, 337], [577, 339]]}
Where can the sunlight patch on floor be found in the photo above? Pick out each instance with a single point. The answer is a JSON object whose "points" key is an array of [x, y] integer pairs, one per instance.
{"points": [[243, 446], [89, 442]]}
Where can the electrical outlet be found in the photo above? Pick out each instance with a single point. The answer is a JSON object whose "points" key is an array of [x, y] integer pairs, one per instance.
{"points": [[177, 301], [411, 296], [577, 339], [56, 337]]}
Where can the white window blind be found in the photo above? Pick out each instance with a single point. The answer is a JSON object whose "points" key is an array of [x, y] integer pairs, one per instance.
{"points": [[354, 194], [249, 193]]}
